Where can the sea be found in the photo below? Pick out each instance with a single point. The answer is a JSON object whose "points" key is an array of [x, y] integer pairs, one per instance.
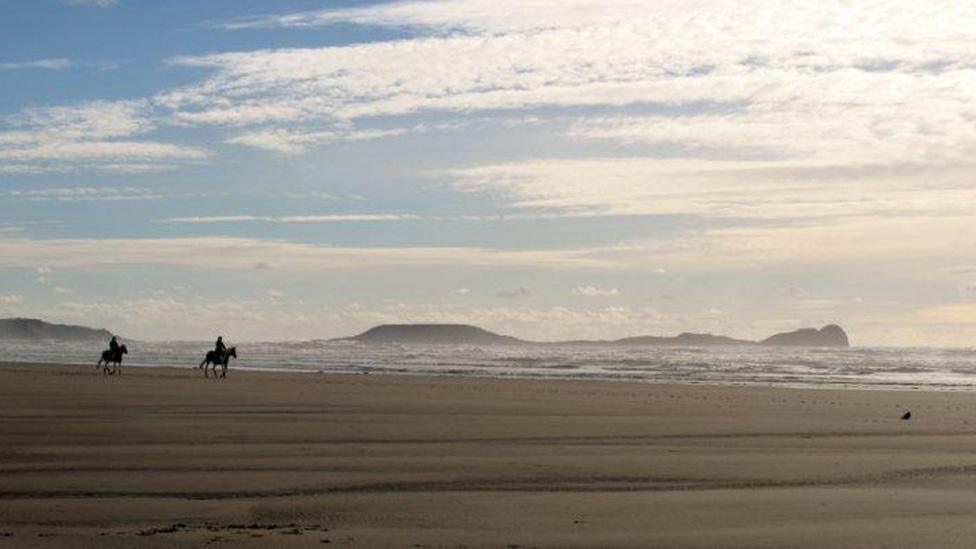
{"points": [[855, 368]]}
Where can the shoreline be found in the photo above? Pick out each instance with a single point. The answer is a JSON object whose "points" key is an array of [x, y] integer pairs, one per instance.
{"points": [[905, 387]]}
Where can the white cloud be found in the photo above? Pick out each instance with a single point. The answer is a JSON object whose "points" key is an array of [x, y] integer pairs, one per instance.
{"points": [[43, 64], [829, 87], [594, 52], [517, 293], [292, 219], [96, 120], [274, 296], [290, 141], [594, 291], [11, 299], [949, 313], [724, 188], [80, 194], [901, 242], [245, 253], [93, 135], [91, 3]]}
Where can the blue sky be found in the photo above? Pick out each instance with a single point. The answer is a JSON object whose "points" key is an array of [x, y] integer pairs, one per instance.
{"points": [[550, 169]]}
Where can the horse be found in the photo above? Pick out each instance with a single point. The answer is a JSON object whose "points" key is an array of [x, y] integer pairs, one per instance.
{"points": [[107, 359], [211, 358]]}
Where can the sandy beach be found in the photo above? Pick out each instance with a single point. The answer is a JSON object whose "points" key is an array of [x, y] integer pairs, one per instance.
{"points": [[162, 457]]}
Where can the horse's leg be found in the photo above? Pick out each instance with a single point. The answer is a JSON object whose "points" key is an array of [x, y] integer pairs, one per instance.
{"points": [[223, 369]]}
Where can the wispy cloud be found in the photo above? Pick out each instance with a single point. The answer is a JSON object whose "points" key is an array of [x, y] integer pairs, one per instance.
{"points": [[595, 291], [43, 64], [95, 135], [11, 299], [790, 189], [517, 293], [91, 3], [246, 253], [291, 141], [81, 194], [324, 218]]}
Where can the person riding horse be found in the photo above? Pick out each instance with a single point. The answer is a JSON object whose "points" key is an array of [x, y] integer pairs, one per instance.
{"points": [[219, 349], [113, 355], [219, 356], [113, 348]]}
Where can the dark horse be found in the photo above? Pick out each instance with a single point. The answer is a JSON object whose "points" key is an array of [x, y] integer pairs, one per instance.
{"points": [[116, 360], [213, 359]]}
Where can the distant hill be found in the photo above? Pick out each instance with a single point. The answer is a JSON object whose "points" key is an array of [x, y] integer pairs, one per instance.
{"points": [[432, 334], [464, 334], [831, 335], [685, 339], [31, 329]]}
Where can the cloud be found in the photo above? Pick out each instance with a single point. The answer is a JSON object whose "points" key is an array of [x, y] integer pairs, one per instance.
{"points": [[593, 291], [274, 296], [80, 194], [902, 242], [767, 80], [491, 54], [91, 3], [289, 141], [488, 16], [245, 253], [11, 299], [950, 313], [517, 293], [43, 64], [722, 188], [290, 219], [93, 135]]}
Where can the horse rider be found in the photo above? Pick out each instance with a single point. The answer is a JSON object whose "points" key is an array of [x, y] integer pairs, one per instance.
{"points": [[113, 347], [219, 348]]}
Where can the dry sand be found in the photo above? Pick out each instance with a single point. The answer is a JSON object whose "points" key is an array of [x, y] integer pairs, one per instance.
{"points": [[164, 458]]}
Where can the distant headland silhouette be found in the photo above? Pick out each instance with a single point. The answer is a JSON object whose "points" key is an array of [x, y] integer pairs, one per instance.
{"points": [[831, 335], [32, 329]]}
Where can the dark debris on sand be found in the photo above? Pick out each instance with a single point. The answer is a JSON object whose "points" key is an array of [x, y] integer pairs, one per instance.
{"points": [[253, 530]]}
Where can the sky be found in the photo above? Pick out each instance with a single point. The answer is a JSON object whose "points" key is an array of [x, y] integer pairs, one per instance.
{"points": [[544, 168]]}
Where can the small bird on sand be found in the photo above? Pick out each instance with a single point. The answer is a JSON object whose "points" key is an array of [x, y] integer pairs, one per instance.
{"points": [[907, 416]]}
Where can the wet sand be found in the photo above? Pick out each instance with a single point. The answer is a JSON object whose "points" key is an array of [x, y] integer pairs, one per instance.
{"points": [[161, 457]]}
